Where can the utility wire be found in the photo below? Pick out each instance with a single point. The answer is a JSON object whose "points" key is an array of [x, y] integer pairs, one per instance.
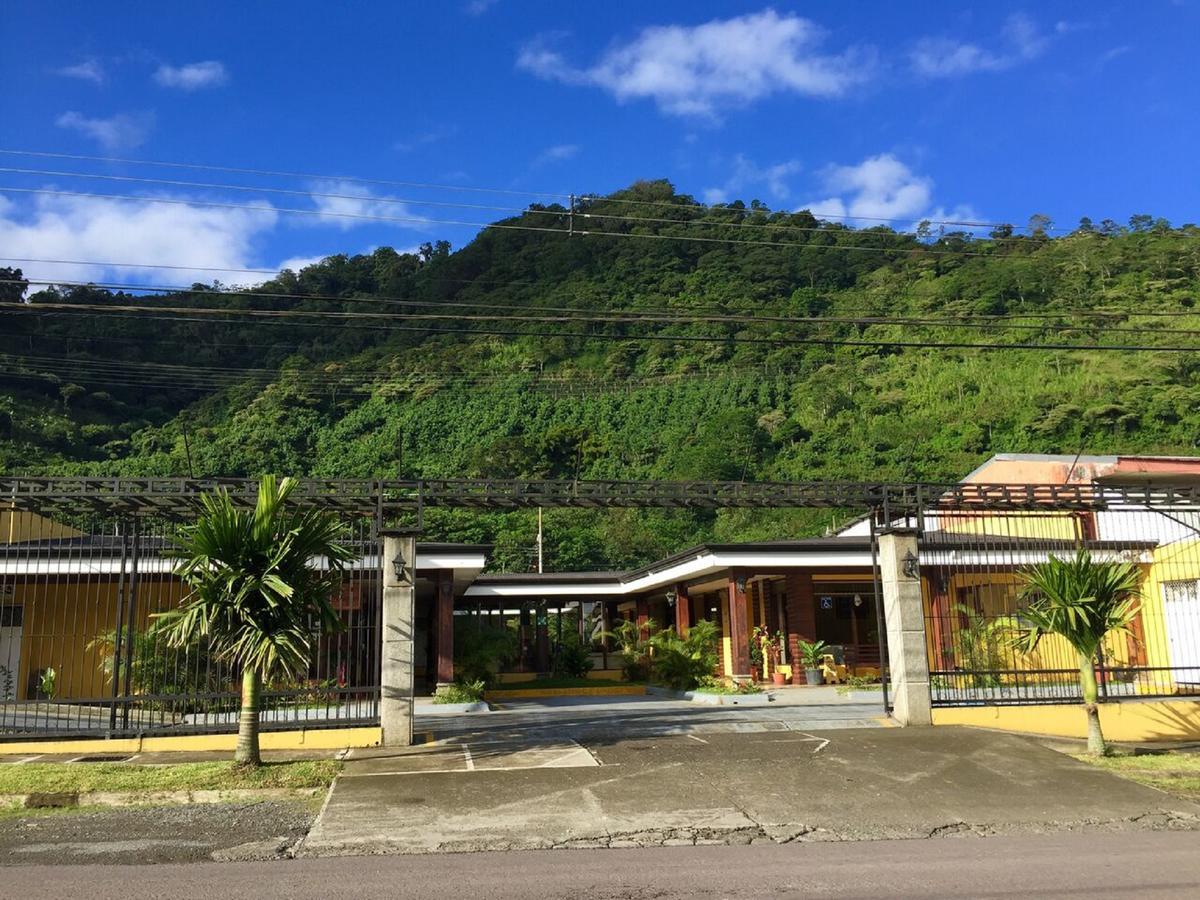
{"points": [[445, 187], [567, 314], [272, 315]]}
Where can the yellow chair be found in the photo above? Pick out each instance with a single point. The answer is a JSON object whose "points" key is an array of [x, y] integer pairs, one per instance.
{"points": [[832, 672]]}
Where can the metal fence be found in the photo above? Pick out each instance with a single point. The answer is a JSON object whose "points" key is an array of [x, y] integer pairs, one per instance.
{"points": [[80, 654], [974, 564]]}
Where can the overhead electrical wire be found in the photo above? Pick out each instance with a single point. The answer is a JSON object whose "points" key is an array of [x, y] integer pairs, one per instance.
{"points": [[566, 314], [187, 314], [581, 214], [430, 186]]}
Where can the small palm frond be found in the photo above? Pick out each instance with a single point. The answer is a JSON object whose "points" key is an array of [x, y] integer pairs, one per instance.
{"points": [[1080, 600]]}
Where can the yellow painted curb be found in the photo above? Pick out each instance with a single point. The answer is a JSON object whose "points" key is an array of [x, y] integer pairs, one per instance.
{"points": [[631, 690], [304, 739]]}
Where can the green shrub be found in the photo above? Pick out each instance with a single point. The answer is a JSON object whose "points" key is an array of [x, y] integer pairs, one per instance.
{"points": [[480, 649], [633, 646], [681, 663], [712, 684], [572, 659], [460, 692]]}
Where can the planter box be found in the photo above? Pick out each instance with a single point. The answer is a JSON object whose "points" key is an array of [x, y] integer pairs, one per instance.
{"points": [[479, 706]]}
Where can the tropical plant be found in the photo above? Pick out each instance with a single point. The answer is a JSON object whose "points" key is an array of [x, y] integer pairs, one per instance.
{"points": [[1083, 602], [812, 653], [571, 658], [261, 584], [155, 666], [460, 692], [6, 683], [682, 662], [48, 683], [981, 643], [481, 649], [633, 646]]}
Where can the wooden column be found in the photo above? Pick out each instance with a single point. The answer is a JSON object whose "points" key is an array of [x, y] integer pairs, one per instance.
{"points": [[643, 616], [801, 617], [939, 619], [683, 610], [739, 629], [443, 615]]}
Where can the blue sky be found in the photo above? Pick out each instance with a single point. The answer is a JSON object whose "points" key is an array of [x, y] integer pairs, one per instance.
{"points": [[948, 110]]}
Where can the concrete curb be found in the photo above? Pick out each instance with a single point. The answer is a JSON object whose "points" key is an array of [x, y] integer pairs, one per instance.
{"points": [[631, 690], [707, 699], [69, 799], [479, 706]]}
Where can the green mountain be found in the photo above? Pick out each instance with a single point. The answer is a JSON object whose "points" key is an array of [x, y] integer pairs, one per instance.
{"points": [[670, 340]]}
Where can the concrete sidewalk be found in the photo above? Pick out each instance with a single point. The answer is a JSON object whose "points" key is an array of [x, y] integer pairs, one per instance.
{"points": [[726, 788]]}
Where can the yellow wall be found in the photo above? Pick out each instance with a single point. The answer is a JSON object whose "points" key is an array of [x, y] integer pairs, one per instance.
{"points": [[62, 617], [1052, 653], [1179, 561], [1047, 525], [303, 739], [1134, 720], [17, 525]]}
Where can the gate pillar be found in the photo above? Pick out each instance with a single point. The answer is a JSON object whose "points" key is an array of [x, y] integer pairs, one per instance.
{"points": [[904, 614], [399, 567]]}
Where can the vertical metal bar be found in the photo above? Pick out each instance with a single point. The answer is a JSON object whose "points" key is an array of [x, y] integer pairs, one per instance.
{"points": [[131, 611], [118, 630]]}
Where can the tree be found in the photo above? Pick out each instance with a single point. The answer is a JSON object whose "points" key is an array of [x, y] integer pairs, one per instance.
{"points": [[1081, 601], [13, 285], [256, 595]]}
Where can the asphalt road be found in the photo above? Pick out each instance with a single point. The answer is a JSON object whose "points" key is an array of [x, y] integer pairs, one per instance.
{"points": [[1062, 865]]}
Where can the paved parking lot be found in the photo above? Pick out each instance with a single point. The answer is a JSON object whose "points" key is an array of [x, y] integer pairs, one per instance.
{"points": [[707, 784]]}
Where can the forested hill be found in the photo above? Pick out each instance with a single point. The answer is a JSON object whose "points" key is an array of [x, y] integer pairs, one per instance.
{"points": [[664, 339]]}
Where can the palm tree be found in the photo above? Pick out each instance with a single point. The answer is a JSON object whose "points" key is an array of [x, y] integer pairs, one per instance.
{"points": [[1082, 602], [261, 581]]}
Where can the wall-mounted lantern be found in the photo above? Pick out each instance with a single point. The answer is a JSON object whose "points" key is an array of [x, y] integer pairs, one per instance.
{"points": [[403, 571], [672, 596], [740, 584], [909, 565]]}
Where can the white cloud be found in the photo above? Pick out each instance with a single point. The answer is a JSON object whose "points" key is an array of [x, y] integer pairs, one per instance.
{"points": [[557, 153], [117, 231], [745, 174], [478, 7], [88, 70], [424, 138], [940, 57], [120, 132], [296, 263], [697, 70], [343, 201], [880, 187], [193, 76]]}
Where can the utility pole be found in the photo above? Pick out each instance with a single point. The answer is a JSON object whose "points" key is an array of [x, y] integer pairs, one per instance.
{"points": [[539, 541], [571, 217]]}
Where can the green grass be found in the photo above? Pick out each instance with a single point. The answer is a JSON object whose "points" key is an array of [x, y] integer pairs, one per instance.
{"points": [[30, 778], [1173, 772], [539, 683]]}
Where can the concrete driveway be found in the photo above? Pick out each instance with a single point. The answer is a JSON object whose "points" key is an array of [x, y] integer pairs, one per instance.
{"points": [[602, 719], [537, 790]]}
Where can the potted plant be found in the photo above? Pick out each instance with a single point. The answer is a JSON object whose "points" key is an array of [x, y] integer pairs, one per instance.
{"points": [[756, 656], [812, 655]]}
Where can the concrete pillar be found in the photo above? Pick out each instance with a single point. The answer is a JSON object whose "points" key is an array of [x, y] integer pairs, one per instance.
{"points": [[739, 628], [443, 615], [399, 621], [683, 610], [904, 613]]}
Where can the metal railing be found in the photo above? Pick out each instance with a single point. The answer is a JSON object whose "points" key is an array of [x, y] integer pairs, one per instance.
{"points": [[80, 654], [974, 567]]}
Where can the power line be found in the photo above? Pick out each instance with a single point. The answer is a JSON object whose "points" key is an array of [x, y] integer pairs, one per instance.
{"points": [[446, 187], [516, 211], [68, 309], [650, 316]]}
